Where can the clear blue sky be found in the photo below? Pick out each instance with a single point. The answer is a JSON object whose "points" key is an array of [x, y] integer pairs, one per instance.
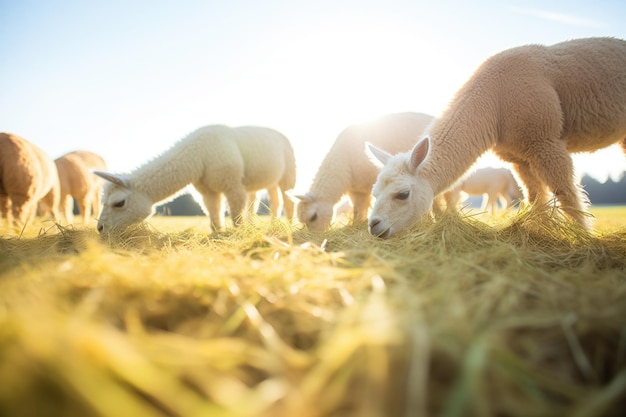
{"points": [[127, 79]]}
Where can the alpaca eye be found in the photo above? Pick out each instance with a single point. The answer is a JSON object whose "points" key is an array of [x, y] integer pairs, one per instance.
{"points": [[119, 204], [402, 195], [313, 218]]}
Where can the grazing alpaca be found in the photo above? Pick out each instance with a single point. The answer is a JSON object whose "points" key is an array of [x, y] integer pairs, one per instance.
{"points": [[495, 183], [216, 160], [78, 181], [27, 176], [346, 170], [533, 105]]}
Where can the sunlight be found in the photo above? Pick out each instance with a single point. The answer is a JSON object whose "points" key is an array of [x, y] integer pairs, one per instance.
{"points": [[314, 84], [603, 164]]}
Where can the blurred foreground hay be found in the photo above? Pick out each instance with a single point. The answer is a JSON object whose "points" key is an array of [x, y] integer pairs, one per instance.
{"points": [[523, 316]]}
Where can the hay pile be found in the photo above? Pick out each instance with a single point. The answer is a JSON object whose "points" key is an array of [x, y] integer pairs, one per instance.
{"points": [[524, 316]]}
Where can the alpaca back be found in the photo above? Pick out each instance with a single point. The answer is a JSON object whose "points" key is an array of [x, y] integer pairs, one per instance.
{"points": [[592, 96], [486, 180], [84, 163], [26, 169], [91, 160], [74, 176], [581, 82], [267, 156]]}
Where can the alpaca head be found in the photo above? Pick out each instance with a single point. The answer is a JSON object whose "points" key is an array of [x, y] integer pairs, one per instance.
{"points": [[314, 213], [402, 195], [122, 205]]}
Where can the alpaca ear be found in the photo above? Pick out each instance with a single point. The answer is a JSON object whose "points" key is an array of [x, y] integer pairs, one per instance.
{"points": [[299, 197], [118, 179], [419, 153], [377, 156]]}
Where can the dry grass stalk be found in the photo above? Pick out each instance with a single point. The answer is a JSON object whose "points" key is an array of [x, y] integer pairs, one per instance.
{"points": [[512, 316]]}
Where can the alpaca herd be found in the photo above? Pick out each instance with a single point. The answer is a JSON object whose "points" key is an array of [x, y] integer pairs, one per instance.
{"points": [[531, 105]]}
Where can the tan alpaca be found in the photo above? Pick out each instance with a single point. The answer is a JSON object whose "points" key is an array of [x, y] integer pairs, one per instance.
{"points": [[217, 160], [494, 184], [533, 105], [346, 170], [27, 176], [77, 180]]}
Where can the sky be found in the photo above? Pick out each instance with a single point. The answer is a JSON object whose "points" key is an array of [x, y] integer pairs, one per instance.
{"points": [[127, 79]]}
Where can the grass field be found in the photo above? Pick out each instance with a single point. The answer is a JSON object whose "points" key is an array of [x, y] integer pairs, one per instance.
{"points": [[522, 315]]}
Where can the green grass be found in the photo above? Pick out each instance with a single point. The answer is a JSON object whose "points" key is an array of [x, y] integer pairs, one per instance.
{"points": [[520, 315]]}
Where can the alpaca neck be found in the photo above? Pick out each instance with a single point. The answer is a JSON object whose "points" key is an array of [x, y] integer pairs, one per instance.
{"points": [[332, 179], [168, 173], [462, 134]]}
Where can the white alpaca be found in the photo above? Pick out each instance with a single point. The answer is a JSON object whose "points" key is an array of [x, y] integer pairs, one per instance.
{"points": [[217, 160], [492, 183], [346, 169], [533, 105]]}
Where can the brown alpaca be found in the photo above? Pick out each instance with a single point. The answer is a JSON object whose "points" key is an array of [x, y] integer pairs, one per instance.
{"points": [[78, 181], [27, 176], [533, 105]]}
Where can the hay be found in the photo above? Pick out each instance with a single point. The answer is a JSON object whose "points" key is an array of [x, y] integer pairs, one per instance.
{"points": [[514, 316]]}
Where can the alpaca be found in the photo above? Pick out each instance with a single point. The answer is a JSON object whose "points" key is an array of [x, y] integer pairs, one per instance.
{"points": [[494, 183], [77, 180], [27, 176], [217, 160], [533, 105], [346, 170]]}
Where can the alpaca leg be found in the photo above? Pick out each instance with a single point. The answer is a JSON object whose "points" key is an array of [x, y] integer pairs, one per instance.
{"points": [[236, 200], [438, 203], [83, 207], [452, 198], [274, 199], [493, 203], [506, 200], [213, 204], [288, 205], [556, 170], [252, 204], [501, 200], [535, 190], [484, 202], [360, 204], [5, 217], [52, 203], [88, 211], [22, 209], [66, 208]]}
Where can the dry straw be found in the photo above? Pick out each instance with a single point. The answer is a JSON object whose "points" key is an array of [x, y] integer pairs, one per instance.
{"points": [[464, 316]]}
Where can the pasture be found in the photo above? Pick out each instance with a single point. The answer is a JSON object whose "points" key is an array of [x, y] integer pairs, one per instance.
{"points": [[518, 315]]}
